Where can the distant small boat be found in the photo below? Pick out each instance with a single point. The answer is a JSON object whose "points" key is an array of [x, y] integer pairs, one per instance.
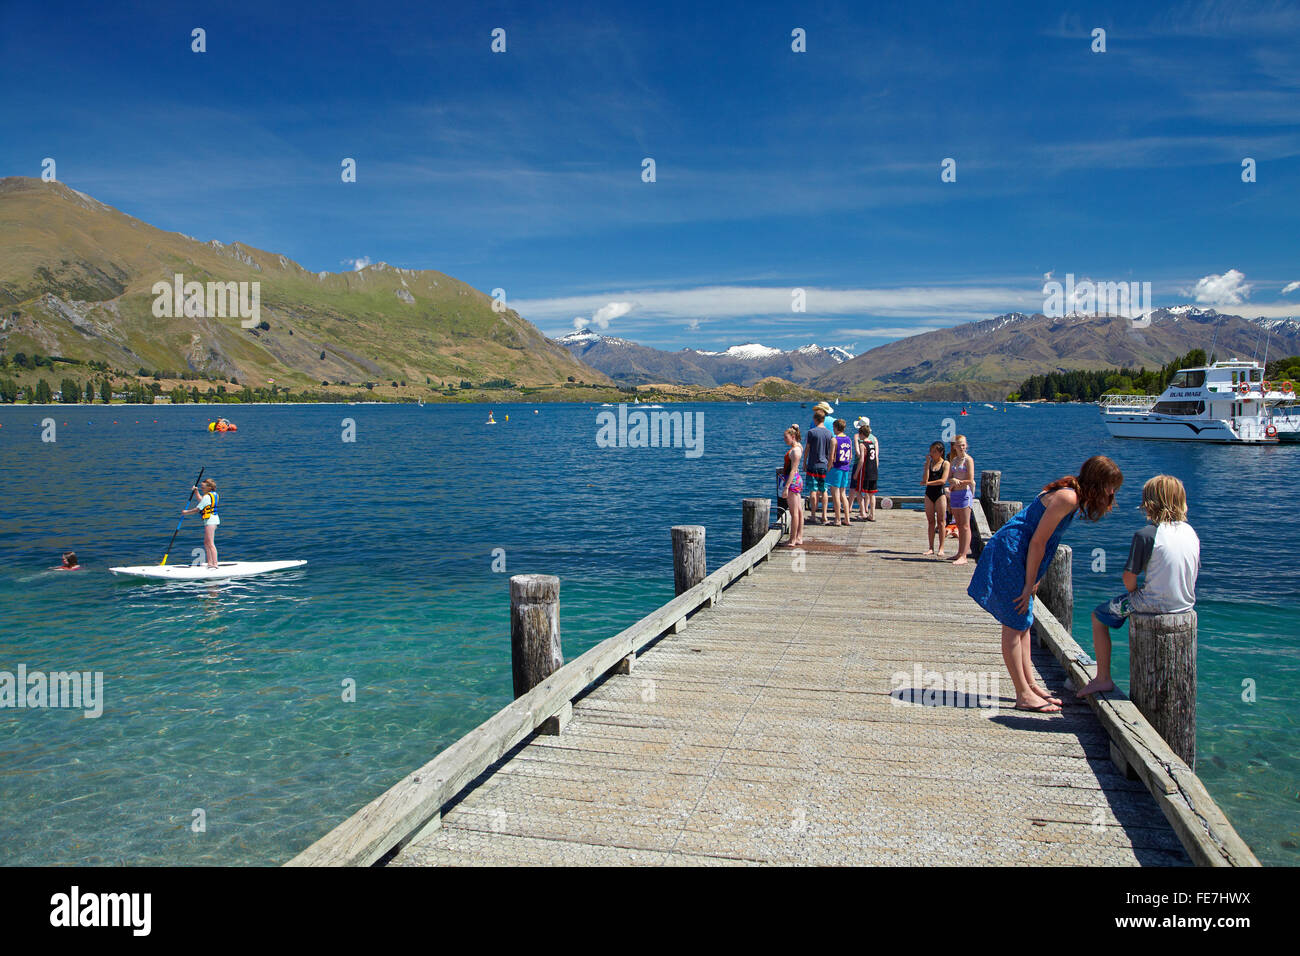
{"points": [[987, 405]]}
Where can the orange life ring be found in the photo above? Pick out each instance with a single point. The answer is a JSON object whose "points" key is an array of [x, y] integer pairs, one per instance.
{"points": [[1286, 387], [1271, 431], [1265, 386], [1243, 389]]}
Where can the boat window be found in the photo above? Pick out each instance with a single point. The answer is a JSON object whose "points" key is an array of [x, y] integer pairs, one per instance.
{"points": [[1179, 408], [1188, 379]]}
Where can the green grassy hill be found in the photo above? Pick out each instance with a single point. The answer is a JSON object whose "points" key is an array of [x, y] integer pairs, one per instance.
{"points": [[76, 280]]}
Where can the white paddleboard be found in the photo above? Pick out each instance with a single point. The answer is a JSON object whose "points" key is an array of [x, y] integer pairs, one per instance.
{"points": [[189, 572]]}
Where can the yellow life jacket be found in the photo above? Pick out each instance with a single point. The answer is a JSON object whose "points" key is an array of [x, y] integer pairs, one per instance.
{"points": [[212, 506]]}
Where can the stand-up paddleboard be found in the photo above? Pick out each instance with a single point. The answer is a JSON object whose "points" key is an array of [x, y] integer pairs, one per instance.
{"points": [[224, 570]]}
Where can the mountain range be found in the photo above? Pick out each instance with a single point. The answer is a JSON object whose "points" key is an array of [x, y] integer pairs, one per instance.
{"points": [[631, 364], [77, 280], [976, 361]]}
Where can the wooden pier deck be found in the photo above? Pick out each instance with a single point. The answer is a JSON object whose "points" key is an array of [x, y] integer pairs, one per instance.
{"points": [[788, 724]]}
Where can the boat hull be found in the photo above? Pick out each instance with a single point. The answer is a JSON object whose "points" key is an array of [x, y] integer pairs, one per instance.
{"points": [[1202, 430]]}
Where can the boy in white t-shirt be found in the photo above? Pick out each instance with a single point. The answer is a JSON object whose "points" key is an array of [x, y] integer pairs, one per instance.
{"points": [[1168, 553]]}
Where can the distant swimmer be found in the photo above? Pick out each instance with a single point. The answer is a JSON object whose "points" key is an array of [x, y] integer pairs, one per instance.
{"points": [[208, 507], [69, 562]]}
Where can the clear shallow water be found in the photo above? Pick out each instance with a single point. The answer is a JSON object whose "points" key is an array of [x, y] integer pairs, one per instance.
{"points": [[228, 697]]}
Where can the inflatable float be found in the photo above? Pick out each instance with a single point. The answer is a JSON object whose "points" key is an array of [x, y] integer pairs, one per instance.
{"points": [[222, 426]]}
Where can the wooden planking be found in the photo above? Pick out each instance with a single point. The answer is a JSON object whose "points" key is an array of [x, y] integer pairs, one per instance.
{"points": [[412, 805], [1206, 833], [767, 732]]}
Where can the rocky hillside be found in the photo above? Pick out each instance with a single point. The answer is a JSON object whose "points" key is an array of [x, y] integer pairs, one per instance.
{"points": [[988, 359], [76, 279]]}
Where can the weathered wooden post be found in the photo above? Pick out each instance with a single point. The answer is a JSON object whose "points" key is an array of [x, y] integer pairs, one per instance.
{"points": [[990, 491], [755, 517], [689, 566], [1162, 676], [1057, 588], [1003, 511], [535, 652]]}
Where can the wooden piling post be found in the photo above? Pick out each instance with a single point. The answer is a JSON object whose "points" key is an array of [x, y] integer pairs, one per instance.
{"points": [[1003, 511], [990, 491], [535, 652], [689, 566], [1056, 590], [1162, 677], [755, 517]]}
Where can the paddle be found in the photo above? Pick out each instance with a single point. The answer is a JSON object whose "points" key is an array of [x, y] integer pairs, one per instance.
{"points": [[182, 519]]}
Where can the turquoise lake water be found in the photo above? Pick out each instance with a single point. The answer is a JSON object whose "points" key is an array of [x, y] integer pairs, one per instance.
{"points": [[228, 698]]}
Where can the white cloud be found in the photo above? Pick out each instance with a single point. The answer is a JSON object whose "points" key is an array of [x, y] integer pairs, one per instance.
{"points": [[601, 318], [357, 264], [959, 303], [1290, 287], [693, 325], [1227, 289], [608, 312]]}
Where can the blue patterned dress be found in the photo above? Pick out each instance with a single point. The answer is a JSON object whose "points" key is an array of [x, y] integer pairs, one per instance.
{"points": [[1000, 574]]}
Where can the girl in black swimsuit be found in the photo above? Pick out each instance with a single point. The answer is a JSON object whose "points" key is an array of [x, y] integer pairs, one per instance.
{"points": [[934, 478]]}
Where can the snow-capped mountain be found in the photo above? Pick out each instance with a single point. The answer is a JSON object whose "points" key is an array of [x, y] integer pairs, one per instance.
{"points": [[632, 364], [987, 359]]}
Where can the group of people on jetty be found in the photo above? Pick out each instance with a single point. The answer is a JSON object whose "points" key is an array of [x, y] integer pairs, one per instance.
{"points": [[841, 472], [1166, 553]]}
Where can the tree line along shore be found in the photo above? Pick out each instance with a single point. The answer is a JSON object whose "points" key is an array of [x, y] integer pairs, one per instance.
{"points": [[44, 380]]}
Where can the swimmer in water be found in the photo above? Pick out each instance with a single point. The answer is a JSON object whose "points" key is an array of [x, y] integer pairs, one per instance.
{"points": [[69, 562]]}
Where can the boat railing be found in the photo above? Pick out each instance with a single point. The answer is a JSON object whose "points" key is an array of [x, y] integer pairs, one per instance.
{"points": [[1143, 402]]}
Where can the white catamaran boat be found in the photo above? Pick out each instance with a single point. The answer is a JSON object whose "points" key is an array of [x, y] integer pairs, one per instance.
{"points": [[1226, 402]]}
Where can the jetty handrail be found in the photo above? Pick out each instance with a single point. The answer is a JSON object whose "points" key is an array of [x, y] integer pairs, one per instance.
{"points": [[414, 804]]}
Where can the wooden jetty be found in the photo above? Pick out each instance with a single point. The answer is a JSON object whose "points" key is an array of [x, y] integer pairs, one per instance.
{"points": [[845, 703]]}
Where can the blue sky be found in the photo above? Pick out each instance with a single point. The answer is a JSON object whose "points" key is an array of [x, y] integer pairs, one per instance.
{"points": [[775, 169]]}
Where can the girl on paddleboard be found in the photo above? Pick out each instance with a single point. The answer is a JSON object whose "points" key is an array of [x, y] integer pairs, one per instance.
{"points": [[208, 506]]}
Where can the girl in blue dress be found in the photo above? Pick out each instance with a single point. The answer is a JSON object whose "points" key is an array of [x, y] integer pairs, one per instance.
{"points": [[1016, 558]]}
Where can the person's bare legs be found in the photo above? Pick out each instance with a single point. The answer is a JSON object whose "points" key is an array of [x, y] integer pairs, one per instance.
{"points": [[963, 534], [941, 524], [1027, 668], [1027, 698], [929, 524], [210, 544], [794, 505], [1101, 643]]}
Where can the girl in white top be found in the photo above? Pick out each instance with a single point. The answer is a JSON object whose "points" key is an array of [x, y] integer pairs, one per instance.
{"points": [[208, 506]]}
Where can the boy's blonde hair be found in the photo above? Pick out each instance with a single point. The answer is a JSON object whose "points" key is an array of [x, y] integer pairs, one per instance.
{"points": [[1164, 499]]}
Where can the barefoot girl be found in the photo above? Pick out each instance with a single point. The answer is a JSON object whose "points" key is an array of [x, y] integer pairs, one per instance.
{"points": [[934, 478], [794, 485], [963, 492], [208, 506], [1015, 559]]}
